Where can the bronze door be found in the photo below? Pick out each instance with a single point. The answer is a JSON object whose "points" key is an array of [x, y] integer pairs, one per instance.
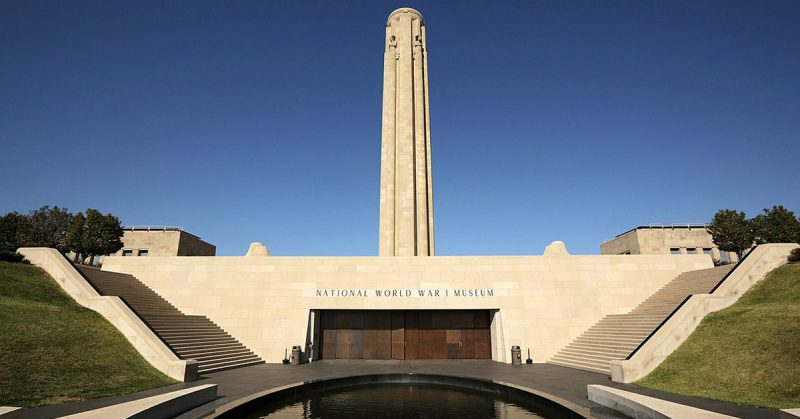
{"points": [[483, 336], [398, 335], [377, 335], [329, 332], [432, 335], [348, 335], [343, 340], [410, 334]]}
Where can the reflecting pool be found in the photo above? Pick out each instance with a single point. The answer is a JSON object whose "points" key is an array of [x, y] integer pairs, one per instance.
{"points": [[396, 400]]}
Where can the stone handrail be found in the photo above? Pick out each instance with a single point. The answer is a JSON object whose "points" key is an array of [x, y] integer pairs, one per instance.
{"points": [[683, 321], [115, 311]]}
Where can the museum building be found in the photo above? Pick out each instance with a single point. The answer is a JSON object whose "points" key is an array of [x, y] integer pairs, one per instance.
{"points": [[405, 303]]}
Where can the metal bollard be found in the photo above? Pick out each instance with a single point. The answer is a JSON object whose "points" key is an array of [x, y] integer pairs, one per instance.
{"points": [[516, 355], [296, 355]]}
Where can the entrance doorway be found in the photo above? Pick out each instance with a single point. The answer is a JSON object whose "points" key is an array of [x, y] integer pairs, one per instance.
{"points": [[405, 334]]}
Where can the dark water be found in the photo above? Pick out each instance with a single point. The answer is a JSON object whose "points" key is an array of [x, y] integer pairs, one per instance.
{"points": [[396, 401]]}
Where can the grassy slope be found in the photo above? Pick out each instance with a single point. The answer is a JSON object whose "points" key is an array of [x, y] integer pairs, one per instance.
{"points": [[53, 350], [748, 353]]}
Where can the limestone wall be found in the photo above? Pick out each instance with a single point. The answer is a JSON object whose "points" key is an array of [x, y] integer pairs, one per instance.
{"points": [[165, 243], [544, 302]]}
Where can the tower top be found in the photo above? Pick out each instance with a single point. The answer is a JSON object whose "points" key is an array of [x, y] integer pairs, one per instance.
{"points": [[414, 12]]}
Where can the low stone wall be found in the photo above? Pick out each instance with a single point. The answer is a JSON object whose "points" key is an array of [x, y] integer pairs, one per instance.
{"points": [[677, 329], [540, 302], [636, 405], [115, 311]]}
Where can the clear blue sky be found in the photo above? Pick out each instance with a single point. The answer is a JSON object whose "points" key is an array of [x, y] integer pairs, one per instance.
{"points": [[260, 121]]}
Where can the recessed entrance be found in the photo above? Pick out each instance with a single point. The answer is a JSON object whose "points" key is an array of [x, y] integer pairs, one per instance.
{"points": [[405, 334]]}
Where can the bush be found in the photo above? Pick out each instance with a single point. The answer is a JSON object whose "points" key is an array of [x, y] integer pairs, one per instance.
{"points": [[794, 256], [13, 257]]}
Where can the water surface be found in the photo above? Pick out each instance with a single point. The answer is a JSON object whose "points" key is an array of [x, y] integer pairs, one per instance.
{"points": [[396, 401]]}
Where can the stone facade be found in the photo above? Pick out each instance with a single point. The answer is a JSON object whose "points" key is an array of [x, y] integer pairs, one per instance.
{"points": [[406, 202], [165, 241], [664, 240], [537, 302]]}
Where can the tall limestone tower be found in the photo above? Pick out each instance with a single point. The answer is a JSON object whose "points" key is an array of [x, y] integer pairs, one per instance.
{"points": [[406, 220]]}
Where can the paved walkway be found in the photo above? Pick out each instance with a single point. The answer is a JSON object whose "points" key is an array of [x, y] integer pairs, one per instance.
{"points": [[565, 383]]}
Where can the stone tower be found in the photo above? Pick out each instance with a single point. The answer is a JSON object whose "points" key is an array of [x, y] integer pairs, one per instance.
{"points": [[406, 219]]}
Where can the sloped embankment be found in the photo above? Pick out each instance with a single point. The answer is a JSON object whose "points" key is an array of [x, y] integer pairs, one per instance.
{"points": [[53, 350], [748, 353]]}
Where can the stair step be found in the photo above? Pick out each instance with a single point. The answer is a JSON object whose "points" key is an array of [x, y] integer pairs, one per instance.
{"points": [[596, 369], [170, 329], [183, 342], [581, 357], [224, 363], [592, 333], [223, 354], [615, 354], [193, 338], [594, 347], [229, 367], [212, 345], [608, 340], [217, 360]]}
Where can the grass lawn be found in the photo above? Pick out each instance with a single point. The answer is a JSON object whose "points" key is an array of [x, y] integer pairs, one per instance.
{"points": [[53, 350], [748, 353]]}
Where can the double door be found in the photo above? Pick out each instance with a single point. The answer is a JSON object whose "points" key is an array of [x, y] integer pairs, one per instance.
{"points": [[405, 334]]}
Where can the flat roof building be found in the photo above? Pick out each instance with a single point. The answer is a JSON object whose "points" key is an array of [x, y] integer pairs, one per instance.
{"points": [[661, 239], [163, 241]]}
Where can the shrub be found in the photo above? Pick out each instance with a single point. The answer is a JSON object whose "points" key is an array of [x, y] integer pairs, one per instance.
{"points": [[13, 257], [794, 256]]}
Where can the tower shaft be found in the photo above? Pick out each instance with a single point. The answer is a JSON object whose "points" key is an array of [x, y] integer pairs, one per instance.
{"points": [[406, 206]]}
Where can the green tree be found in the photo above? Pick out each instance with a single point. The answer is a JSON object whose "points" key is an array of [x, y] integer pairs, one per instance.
{"points": [[776, 225], [102, 234], [75, 235], [731, 231], [45, 227], [9, 229]]}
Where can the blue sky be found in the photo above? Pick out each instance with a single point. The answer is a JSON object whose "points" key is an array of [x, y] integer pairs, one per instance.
{"points": [[260, 121]]}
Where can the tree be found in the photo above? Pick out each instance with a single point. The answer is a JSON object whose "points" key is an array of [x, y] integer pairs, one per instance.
{"points": [[87, 235], [731, 231], [75, 235], [45, 227], [101, 235], [776, 225], [9, 229]]}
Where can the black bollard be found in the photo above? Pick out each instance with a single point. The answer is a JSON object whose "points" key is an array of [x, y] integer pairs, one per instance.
{"points": [[285, 357], [529, 360]]}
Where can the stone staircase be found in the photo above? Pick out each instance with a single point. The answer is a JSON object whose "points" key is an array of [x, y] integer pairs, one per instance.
{"points": [[190, 337], [617, 335]]}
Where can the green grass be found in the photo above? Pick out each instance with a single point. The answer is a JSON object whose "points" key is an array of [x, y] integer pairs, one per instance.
{"points": [[53, 350], [748, 353]]}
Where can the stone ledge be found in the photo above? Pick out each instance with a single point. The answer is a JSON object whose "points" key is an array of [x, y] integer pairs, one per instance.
{"points": [[166, 405], [641, 407], [10, 412], [790, 413]]}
